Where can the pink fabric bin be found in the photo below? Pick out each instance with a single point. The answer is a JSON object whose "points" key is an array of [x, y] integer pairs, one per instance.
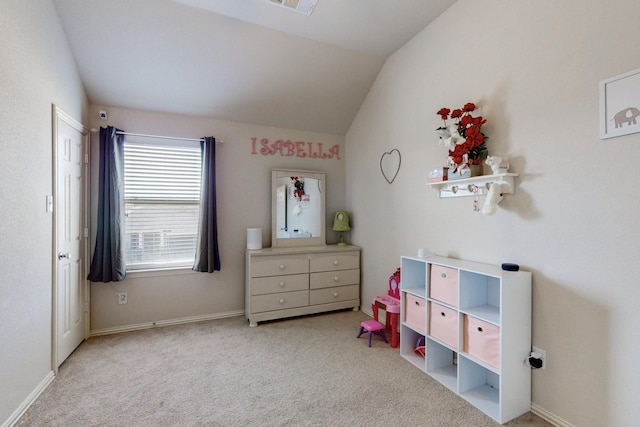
{"points": [[443, 324], [444, 284], [415, 312], [482, 340]]}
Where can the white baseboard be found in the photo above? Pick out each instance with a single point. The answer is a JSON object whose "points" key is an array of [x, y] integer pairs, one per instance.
{"points": [[548, 416], [29, 400], [148, 325]]}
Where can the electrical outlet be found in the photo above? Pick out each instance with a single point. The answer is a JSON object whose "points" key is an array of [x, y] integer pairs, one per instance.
{"points": [[122, 298], [541, 354]]}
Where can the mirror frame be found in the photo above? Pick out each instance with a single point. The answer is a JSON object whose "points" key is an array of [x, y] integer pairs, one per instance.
{"points": [[276, 242]]}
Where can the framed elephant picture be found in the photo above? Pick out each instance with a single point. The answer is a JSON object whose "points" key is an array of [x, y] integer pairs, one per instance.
{"points": [[620, 105]]}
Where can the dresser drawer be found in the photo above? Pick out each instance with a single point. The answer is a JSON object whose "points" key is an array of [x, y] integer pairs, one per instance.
{"points": [[279, 265], [275, 284], [281, 301], [329, 295], [482, 340], [334, 278], [443, 324], [335, 261], [415, 312], [443, 284]]}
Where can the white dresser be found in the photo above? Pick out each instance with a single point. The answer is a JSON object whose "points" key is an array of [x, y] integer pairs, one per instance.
{"points": [[287, 282]]}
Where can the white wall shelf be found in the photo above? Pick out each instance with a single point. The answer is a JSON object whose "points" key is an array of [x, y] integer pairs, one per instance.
{"points": [[467, 186]]}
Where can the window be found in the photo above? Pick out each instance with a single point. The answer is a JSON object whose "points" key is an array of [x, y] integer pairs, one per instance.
{"points": [[162, 203]]}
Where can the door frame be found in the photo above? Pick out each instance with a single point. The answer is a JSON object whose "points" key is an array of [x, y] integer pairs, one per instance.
{"points": [[57, 116]]}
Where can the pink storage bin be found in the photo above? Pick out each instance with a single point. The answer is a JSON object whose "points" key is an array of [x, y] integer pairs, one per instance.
{"points": [[443, 324], [482, 340], [444, 284], [415, 312]]}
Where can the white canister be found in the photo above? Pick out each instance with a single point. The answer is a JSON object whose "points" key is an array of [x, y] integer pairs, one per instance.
{"points": [[254, 238]]}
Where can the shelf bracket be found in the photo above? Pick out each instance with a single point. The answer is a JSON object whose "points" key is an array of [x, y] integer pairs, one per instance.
{"points": [[467, 186]]}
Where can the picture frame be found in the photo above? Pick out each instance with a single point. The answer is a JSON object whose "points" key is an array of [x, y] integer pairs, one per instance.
{"points": [[620, 105]]}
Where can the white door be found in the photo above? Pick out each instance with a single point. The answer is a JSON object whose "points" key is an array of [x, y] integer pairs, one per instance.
{"points": [[70, 287]]}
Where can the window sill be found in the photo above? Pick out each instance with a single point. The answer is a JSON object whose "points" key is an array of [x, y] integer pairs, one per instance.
{"points": [[174, 271]]}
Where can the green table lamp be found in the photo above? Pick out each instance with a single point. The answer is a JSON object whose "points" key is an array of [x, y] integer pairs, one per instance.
{"points": [[341, 224]]}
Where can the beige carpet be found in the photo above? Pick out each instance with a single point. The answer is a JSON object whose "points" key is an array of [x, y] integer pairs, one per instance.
{"points": [[307, 371]]}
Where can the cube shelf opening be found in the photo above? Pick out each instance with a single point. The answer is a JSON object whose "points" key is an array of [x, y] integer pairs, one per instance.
{"points": [[408, 342], [414, 276], [480, 386], [480, 296], [440, 364]]}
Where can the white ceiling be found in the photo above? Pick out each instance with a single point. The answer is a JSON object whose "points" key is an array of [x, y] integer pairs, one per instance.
{"points": [[240, 60]]}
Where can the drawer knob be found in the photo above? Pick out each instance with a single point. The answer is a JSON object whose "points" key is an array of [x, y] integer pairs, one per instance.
{"points": [[335, 294], [443, 275], [281, 284], [442, 314], [281, 301], [336, 278], [335, 262], [281, 266], [417, 303], [480, 329]]}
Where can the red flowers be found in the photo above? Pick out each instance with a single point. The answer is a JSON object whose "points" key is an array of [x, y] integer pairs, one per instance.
{"points": [[456, 113], [463, 138], [444, 113]]}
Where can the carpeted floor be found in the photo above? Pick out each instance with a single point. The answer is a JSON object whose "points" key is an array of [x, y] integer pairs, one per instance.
{"points": [[306, 371]]}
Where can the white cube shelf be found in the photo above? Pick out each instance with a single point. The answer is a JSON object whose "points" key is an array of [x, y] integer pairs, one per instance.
{"points": [[496, 298]]}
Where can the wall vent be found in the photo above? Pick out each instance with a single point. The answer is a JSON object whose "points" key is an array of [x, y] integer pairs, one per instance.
{"points": [[301, 6]]}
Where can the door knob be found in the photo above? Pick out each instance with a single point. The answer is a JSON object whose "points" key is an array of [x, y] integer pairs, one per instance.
{"points": [[62, 255]]}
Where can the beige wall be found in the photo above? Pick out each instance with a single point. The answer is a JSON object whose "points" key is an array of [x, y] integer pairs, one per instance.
{"points": [[37, 70], [244, 200], [534, 68]]}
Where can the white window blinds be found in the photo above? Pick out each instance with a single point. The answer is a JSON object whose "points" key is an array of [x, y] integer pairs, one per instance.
{"points": [[162, 200]]}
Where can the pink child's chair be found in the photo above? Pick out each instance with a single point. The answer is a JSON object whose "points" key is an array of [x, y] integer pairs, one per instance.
{"points": [[372, 327]]}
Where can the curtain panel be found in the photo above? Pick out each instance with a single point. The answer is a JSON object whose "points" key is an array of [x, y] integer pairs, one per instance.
{"points": [[108, 262], [207, 255]]}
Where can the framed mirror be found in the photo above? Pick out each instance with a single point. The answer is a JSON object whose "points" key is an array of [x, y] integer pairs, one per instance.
{"points": [[297, 208]]}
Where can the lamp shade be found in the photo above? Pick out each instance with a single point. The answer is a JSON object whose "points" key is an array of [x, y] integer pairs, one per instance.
{"points": [[341, 221]]}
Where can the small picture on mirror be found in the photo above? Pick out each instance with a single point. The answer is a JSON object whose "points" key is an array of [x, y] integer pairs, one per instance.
{"points": [[298, 208], [297, 187]]}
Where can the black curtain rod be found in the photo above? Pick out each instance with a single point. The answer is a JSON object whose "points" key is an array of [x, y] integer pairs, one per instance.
{"points": [[164, 137]]}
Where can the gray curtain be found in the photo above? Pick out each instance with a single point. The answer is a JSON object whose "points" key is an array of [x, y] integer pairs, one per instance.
{"points": [[108, 262], [207, 254]]}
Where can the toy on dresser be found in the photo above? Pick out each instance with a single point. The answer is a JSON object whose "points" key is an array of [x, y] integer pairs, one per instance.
{"points": [[394, 285], [390, 303]]}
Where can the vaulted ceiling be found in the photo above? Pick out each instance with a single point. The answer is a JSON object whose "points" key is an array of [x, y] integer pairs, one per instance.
{"points": [[240, 60]]}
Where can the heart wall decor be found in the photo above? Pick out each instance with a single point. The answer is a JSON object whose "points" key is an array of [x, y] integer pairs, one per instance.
{"points": [[390, 164]]}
